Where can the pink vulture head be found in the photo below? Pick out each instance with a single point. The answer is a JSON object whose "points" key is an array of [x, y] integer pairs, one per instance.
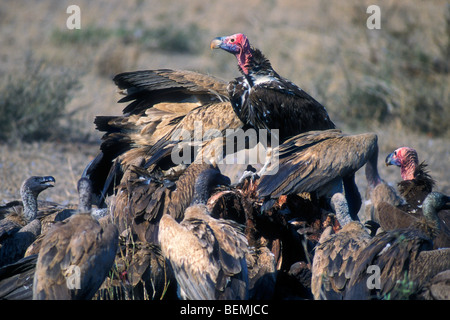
{"points": [[407, 159], [236, 44]]}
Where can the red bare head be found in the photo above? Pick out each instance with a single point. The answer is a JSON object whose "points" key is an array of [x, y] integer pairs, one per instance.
{"points": [[407, 159], [236, 44]]}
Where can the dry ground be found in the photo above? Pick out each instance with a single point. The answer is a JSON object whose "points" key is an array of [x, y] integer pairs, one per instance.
{"points": [[314, 43]]}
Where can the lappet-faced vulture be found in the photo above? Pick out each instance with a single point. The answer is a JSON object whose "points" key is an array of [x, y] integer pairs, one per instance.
{"points": [[264, 99]]}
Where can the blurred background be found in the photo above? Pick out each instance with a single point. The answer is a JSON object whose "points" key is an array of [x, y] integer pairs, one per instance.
{"points": [[394, 81]]}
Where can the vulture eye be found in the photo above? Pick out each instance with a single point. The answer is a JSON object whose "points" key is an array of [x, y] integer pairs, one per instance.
{"points": [[232, 40]]}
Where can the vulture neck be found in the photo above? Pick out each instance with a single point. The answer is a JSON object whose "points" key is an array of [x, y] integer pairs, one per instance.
{"points": [[408, 167], [203, 184], [431, 205], [84, 196], [372, 176], [254, 65], [85, 203], [201, 188], [340, 206], [30, 205]]}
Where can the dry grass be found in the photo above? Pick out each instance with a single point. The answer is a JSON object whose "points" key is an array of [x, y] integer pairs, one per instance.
{"points": [[323, 46]]}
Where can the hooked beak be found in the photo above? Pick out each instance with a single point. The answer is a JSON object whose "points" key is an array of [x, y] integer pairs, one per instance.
{"points": [[216, 43], [392, 160], [47, 181], [224, 44]]}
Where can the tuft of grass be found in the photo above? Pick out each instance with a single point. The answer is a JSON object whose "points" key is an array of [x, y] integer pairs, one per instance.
{"points": [[403, 290], [33, 102], [89, 35], [171, 38]]}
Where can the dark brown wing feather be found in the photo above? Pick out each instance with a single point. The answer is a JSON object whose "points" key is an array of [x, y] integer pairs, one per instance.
{"points": [[392, 252], [160, 100], [81, 243], [312, 160], [334, 260], [207, 256]]}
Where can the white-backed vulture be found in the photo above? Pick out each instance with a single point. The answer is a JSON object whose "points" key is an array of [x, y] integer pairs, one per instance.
{"points": [[207, 255], [335, 254], [161, 101], [319, 162], [134, 170], [75, 256], [402, 256]]}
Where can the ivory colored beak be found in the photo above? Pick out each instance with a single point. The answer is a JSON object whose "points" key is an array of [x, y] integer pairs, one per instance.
{"points": [[215, 43]]}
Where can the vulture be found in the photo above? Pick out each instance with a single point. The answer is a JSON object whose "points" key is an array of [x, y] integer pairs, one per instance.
{"points": [[319, 162], [417, 182], [438, 288], [404, 257], [19, 227], [207, 255], [263, 99], [142, 200], [135, 172], [75, 255], [335, 254]]}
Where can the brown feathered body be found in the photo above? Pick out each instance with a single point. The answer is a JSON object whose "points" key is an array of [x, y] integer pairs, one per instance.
{"points": [[319, 162], [135, 170], [316, 161], [206, 254], [400, 253], [334, 260], [77, 247], [162, 102]]}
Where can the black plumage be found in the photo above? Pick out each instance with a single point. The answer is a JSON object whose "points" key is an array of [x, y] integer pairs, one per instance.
{"points": [[264, 99]]}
